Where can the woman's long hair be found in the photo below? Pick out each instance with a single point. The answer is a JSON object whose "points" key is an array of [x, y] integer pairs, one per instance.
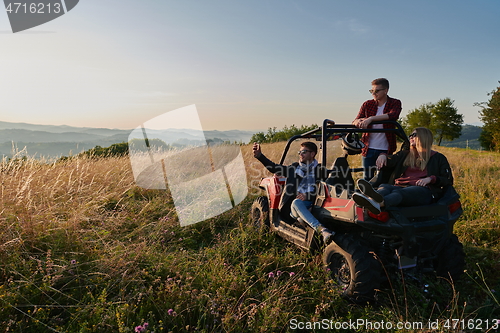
{"points": [[421, 153]]}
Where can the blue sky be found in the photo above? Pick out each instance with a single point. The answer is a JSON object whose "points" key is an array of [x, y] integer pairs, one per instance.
{"points": [[246, 64]]}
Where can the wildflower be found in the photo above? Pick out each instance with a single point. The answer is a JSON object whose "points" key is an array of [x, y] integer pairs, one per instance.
{"points": [[138, 329], [291, 274], [271, 274], [73, 262], [278, 273], [171, 312]]}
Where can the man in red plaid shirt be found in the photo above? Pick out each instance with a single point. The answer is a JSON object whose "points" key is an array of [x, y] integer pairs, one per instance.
{"points": [[381, 107]]}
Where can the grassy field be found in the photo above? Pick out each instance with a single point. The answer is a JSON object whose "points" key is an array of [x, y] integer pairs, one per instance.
{"points": [[83, 249]]}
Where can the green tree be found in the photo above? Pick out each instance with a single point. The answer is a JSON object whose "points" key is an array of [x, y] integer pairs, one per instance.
{"points": [[490, 116], [442, 118], [116, 149], [274, 135], [419, 117], [258, 137], [446, 122]]}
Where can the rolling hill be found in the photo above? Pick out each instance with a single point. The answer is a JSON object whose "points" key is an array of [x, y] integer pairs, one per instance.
{"points": [[54, 141]]}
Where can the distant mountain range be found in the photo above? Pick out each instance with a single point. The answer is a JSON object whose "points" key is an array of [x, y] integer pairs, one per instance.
{"points": [[55, 141], [468, 139]]}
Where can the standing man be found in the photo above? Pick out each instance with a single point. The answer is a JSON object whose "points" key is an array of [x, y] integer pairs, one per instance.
{"points": [[300, 184], [381, 107]]}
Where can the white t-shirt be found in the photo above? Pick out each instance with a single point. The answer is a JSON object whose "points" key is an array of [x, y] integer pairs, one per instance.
{"points": [[378, 140]]}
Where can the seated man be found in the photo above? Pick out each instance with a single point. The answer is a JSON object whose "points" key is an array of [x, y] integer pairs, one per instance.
{"points": [[419, 177], [300, 184]]}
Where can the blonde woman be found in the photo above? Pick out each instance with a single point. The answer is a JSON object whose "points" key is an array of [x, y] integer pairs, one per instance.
{"points": [[419, 177]]}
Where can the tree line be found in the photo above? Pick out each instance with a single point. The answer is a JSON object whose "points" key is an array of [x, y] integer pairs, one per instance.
{"points": [[274, 135], [441, 117]]}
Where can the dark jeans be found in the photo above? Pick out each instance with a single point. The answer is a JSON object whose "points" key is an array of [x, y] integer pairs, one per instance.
{"points": [[369, 162], [301, 209], [405, 196]]}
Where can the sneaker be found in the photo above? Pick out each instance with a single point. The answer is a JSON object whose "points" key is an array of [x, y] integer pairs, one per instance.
{"points": [[367, 189], [366, 202], [326, 233]]}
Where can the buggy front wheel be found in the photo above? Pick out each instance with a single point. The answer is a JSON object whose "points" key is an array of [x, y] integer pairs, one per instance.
{"points": [[352, 265], [260, 212]]}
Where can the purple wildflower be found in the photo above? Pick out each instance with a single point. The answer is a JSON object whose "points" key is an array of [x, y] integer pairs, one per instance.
{"points": [[271, 274], [141, 328], [171, 312], [291, 274], [73, 262]]}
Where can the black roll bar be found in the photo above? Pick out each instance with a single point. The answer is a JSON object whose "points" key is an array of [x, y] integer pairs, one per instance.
{"points": [[329, 128]]}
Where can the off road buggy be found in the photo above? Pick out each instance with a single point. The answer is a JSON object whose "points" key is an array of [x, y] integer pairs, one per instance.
{"points": [[365, 246]]}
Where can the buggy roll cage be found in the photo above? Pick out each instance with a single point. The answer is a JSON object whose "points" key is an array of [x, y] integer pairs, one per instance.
{"points": [[334, 131]]}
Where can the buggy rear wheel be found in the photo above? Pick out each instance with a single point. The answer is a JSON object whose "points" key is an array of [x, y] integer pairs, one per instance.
{"points": [[260, 212], [353, 267], [451, 260]]}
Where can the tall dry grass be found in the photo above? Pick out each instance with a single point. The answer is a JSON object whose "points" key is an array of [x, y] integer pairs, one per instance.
{"points": [[36, 197], [82, 248], [476, 176]]}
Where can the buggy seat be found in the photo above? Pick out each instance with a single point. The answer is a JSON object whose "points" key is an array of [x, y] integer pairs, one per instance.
{"points": [[340, 177]]}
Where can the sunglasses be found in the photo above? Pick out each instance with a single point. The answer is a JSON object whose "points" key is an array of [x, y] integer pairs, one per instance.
{"points": [[412, 135], [302, 152], [375, 91]]}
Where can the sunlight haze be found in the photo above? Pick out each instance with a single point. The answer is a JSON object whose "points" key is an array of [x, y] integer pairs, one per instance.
{"points": [[245, 65]]}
